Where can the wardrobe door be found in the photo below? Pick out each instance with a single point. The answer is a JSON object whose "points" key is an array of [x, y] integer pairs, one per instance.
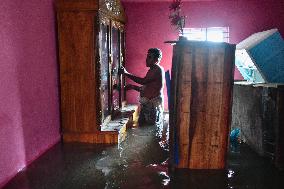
{"points": [[114, 69], [104, 72], [122, 63]]}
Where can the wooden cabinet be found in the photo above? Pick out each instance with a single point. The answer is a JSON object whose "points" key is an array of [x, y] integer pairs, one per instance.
{"points": [[200, 105], [91, 49]]}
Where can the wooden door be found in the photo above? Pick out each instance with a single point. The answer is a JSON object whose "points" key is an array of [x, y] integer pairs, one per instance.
{"points": [[115, 63], [117, 54], [122, 63], [105, 89]]}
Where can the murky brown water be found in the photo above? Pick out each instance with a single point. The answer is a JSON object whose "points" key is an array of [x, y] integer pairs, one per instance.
{"points": [[141, 162]]}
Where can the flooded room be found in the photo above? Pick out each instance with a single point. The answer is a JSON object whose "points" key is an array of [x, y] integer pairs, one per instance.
{"points": [[155, 94]]}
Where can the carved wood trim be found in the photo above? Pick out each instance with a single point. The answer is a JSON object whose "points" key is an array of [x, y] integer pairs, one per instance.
{"points": [[117, 25], [113, 9]]}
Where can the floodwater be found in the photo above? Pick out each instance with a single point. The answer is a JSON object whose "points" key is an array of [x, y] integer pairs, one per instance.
{"points": [[141, 162]]}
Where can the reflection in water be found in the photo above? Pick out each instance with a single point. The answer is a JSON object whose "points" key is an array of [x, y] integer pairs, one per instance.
{"points": [[166, 180], [141, 163], [138, 162], [230, 173], [201, 179]]}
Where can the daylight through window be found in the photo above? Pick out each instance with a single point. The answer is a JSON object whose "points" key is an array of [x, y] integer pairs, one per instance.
{"points": [[216, 34]]}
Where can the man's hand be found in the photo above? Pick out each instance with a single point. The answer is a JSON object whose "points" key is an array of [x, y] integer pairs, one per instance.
{"points": [[134, 78]]}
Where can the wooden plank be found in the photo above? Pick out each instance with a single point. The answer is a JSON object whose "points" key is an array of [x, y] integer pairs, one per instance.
{"points": [[183, 140], [173, 120], [200, 64], [198, 152], [183, 107], [185, 67], [216, 58], [206, 127], [98, 137]]}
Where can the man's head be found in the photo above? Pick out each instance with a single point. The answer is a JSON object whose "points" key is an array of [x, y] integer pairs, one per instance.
{"points": [[153, 57]]}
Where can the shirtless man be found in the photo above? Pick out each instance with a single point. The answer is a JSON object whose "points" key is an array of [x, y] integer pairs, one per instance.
{"points": [[151, 89]]}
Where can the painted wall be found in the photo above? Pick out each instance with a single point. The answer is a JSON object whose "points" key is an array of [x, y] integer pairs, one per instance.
{"points": [[29, 109], [29, 103], [148, 26]]}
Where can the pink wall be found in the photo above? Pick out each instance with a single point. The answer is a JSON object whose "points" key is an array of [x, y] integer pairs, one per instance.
{"points": [[29, 103], [148, 26], [29, 109]]}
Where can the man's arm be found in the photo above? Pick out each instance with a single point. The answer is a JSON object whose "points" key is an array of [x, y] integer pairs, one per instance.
{"points": [[134, 78], [152, 75]]}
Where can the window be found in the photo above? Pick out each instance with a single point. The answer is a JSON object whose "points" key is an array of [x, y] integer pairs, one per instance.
{"points": [[216, 34]]}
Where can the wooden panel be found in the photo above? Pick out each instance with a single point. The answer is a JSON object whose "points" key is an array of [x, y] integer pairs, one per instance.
{"points": [[199, 64], [98, 137], [216, 57], [184, 144], [76, 54], [183, 105], [77, 5], [185, 69], [201, 103], [173, 130], [108, 136]]}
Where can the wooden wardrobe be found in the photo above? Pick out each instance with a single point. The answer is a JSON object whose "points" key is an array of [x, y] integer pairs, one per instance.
{"points": [[91, 41], [200, 104]]}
